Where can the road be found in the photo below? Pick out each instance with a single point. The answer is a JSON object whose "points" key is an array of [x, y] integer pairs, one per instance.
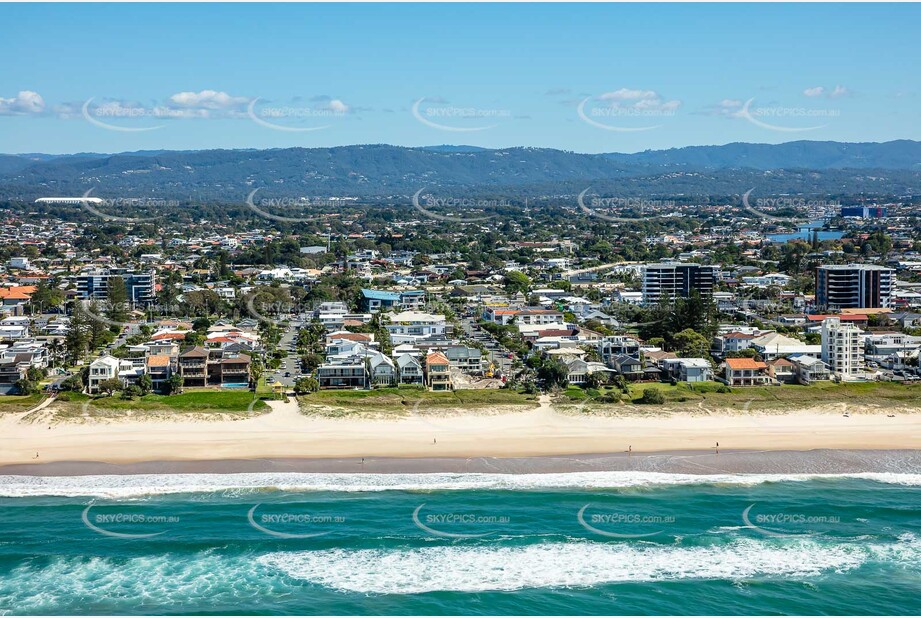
{"points": [[290, 363], [495, 352]]}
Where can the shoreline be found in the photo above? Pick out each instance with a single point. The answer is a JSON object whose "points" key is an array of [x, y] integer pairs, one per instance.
{"points": [[818, 461], [286, 435]]}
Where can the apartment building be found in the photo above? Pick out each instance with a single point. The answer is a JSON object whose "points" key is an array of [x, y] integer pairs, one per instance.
{"points": [[677, 280], [842, 347], [140, 285], [853, 286]]}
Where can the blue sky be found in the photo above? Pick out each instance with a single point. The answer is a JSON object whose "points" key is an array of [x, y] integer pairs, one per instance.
{"points": [[589, 78]]}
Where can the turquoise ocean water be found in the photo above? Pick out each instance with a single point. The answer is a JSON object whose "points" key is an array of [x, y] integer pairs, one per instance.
{"points": [[581, 543]]}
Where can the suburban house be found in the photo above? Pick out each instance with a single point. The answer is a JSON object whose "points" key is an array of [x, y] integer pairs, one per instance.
{"points": [[782, 370], [200, 366], [731, 342], [628, 366], [773, 345], [108, 367], [579, 370], [343, 373], [382, 300], [438, 372], [383, 370], [160, 370], [810, 369], [745, 372], [687, 369], [410, 369], [465, 358], [617, 345]]}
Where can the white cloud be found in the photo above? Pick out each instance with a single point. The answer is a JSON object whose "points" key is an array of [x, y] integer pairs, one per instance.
{"points": [[207, 99], [819, 91], [338, 106], [25, 102], [625, 94], [641, 100]]}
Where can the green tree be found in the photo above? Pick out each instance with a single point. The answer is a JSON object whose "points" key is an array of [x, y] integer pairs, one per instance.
{"points": [[117, 301], [145, 384], [25, 386], [691, 344], [517, 281], [652, 396], [76, 339], [306, 385], [174, 384], [110, 385]]}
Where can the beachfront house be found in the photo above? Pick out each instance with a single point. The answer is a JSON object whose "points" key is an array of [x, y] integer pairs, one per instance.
{"points": [[745, 372], [687, 369], [410, 369], [809, 369], [438, 372]]}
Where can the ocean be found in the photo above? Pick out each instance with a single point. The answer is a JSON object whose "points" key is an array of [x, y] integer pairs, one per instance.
{"points": [[440, 544]]}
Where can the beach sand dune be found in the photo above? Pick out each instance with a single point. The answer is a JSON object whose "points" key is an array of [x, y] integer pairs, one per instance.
{"points": [[286, 433]]}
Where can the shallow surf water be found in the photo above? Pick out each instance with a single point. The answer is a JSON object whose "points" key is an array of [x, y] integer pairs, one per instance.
{"points": [[577, 543]]}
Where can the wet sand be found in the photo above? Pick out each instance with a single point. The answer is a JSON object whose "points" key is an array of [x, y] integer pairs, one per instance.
{"points": [[823, 461]]}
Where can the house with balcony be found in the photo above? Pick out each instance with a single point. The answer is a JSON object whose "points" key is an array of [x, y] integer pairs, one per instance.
{"points": [[687, 369], [228, 369], [348, 372], [409, 369], [160, 369], [746, 372], [438, 372], [108, 367], [193, 366], [383, 370], [810, 369], [782, 370], [466, 359]]}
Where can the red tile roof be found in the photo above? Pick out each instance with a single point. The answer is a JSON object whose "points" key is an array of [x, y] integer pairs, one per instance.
{"points": [[744, 363]]}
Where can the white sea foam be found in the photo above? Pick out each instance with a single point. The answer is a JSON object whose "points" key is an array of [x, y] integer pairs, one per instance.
{"points": [[572, 564], [136, 485], [161, 582]]}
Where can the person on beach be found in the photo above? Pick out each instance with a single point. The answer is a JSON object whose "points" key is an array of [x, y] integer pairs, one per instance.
{"points": [[717, 448]]}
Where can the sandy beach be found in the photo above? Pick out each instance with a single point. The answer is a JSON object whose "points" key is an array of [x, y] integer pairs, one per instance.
{"points": [[286, 434]]}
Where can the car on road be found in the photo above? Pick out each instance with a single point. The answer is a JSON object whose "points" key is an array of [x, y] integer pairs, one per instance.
{"points": [[287, 374]]}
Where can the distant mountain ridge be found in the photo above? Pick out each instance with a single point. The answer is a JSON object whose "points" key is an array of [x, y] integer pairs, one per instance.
{"points": [[383, 171], [899, 154]]}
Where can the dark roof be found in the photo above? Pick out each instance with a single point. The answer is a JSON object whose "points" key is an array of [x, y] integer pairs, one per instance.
{"points": [[194, 352]]}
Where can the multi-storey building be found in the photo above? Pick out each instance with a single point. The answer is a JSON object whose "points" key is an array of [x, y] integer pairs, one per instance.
{"points": [[140, 285], [842, 348], [344, 373], [200, 366], [854, 285], [677, 280], [377, 300], [438, 372]]}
